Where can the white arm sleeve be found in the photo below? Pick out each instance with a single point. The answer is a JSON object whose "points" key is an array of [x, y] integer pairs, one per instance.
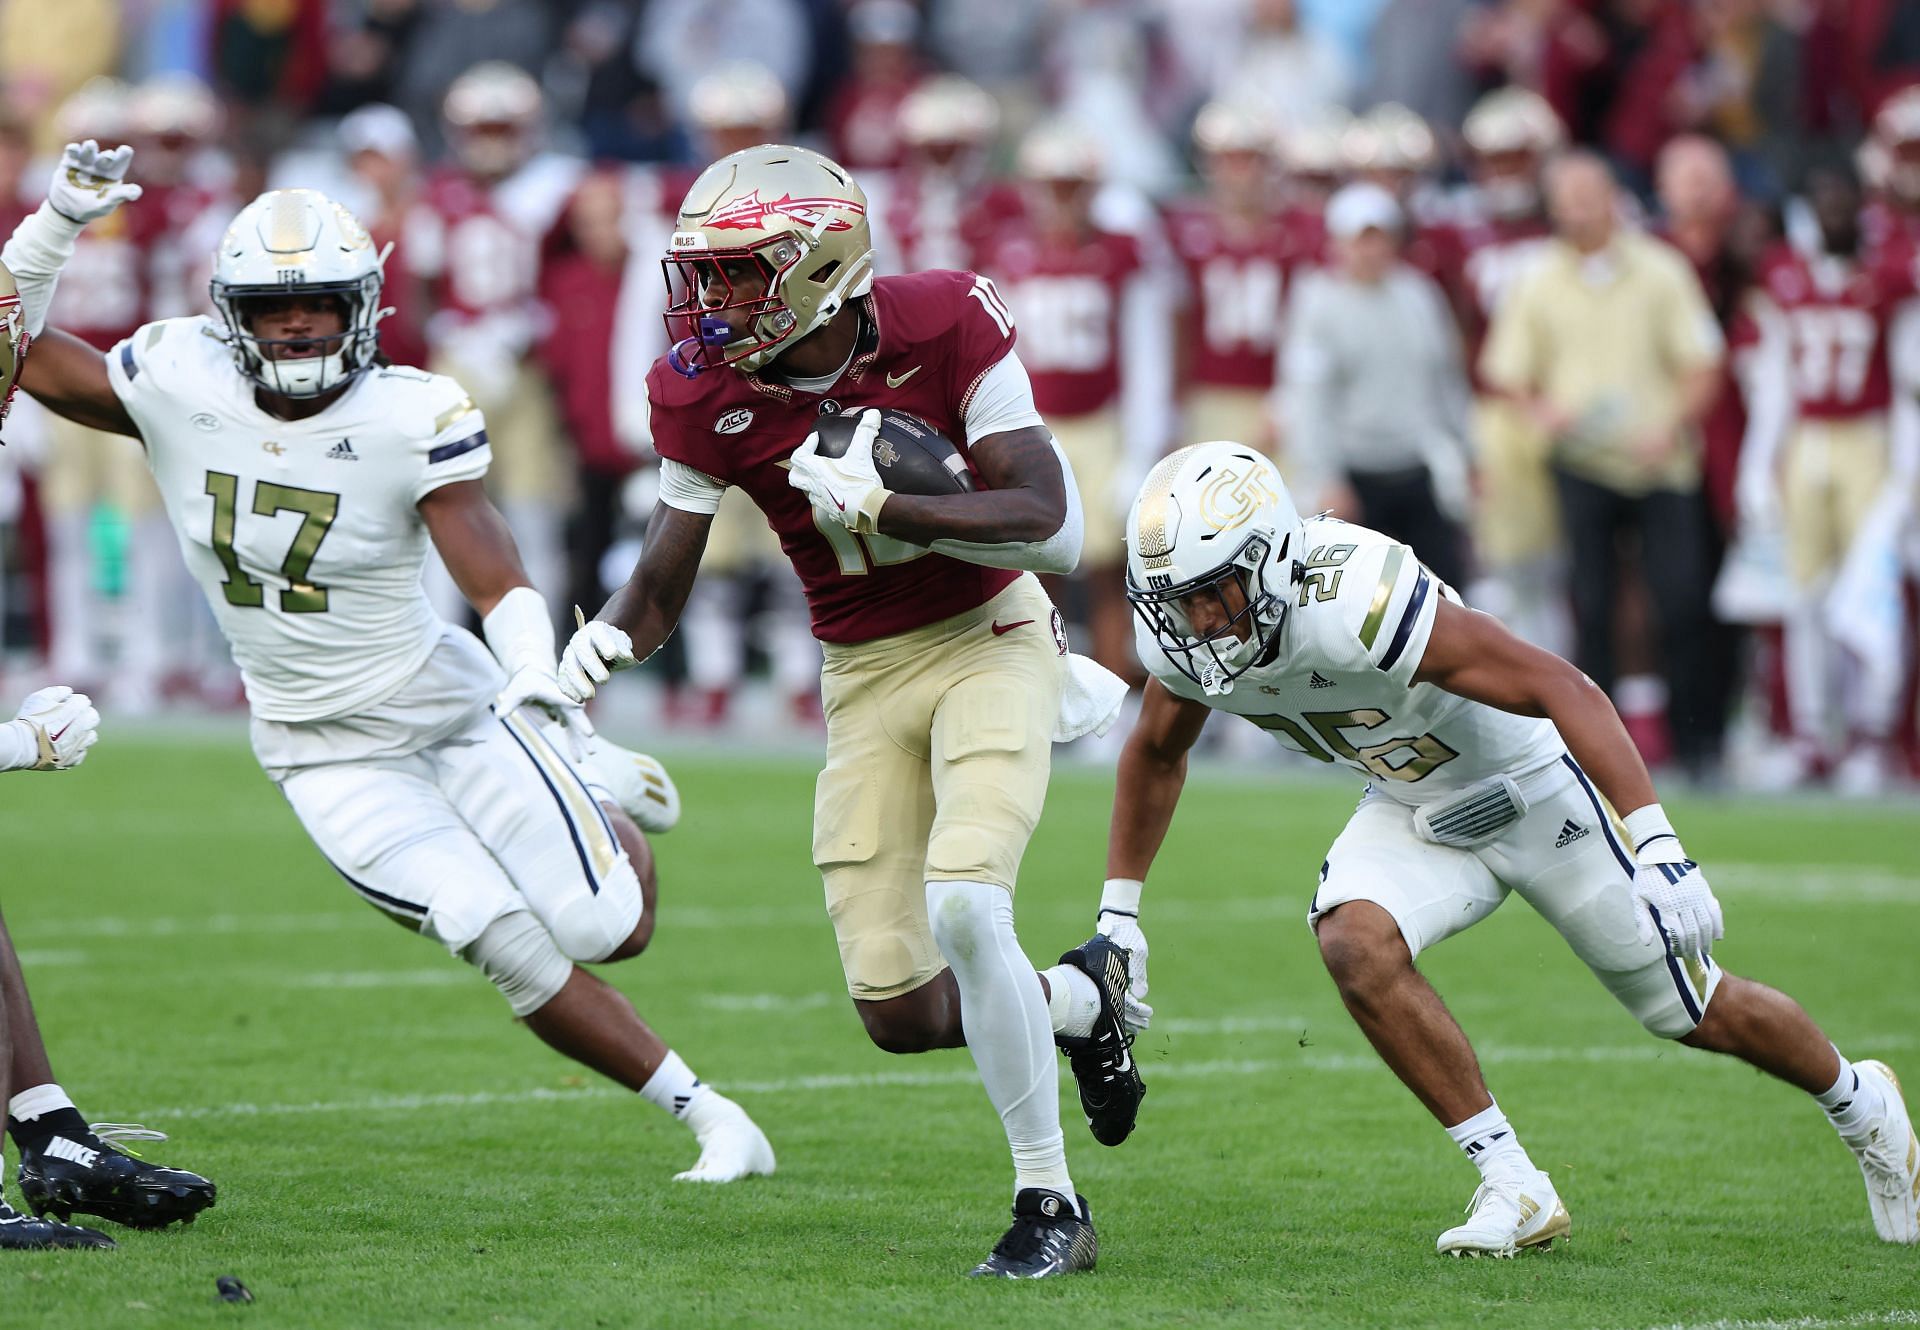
{"points": [[1146, 377], [1002, 401], [688, 489], [39, 247]]}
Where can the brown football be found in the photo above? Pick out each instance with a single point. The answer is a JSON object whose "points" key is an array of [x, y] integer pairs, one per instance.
{"points": [[911, 456]]}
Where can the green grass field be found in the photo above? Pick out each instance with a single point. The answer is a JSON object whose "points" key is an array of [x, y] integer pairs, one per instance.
{"points": [[391, 1150]]}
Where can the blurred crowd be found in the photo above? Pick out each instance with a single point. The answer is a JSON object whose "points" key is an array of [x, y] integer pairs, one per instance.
{"points": [[1602, 305]]}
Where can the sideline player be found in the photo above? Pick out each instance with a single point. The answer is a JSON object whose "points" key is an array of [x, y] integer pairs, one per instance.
{"points": [[944, 665], [305, 480], [1494, 767]]}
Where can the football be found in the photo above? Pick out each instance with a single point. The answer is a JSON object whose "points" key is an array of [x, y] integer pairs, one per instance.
{"points": [[911, 456]]}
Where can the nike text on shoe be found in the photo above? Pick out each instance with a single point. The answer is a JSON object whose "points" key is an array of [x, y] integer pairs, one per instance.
{"points": [[1507, 1215], [1889, 1154], [89, 1176], [1103, 1065], [20, 1232], [1051, 1235]]}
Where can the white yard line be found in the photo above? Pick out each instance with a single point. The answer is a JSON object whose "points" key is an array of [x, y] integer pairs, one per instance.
{"points": [[1896, 1316], [1867, 885], [1176, 1072]]}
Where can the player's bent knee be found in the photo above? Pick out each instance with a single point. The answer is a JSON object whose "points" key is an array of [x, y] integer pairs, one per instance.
{"points": [[636, 941], [521, 959], [965, 916], [602, 926], [1361, 945]]}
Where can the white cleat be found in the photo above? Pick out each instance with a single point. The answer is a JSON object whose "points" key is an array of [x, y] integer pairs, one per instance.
{"points": [[731, 1145], [638, 783], [1889, 1155], [1508, 1214]]}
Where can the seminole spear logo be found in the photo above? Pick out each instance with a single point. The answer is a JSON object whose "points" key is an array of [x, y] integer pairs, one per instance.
{"points": [[750, 212]]}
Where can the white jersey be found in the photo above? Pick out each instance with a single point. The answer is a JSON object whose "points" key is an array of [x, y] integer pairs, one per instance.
{"points": [[1341, 687], [305, 535]]}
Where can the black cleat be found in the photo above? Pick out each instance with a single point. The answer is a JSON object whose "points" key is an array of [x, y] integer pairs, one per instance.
{"points": [[20, 1232], [1050, 1236], [1110, 1084], [88, 1176]]}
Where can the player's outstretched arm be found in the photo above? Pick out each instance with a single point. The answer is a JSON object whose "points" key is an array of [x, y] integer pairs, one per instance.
{"points": [[642, 614], [1475, 656], [69, 378], [63, 373], [1153, 769], [477, 546]]}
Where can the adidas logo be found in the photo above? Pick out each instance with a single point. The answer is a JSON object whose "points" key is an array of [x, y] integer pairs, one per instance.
{"points": [[1570, 831], [62, 1148], [1318, 680], [343, 451]]}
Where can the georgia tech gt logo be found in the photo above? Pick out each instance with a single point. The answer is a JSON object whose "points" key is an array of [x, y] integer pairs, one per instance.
{"points": [[750, 212], [1232, 497]]}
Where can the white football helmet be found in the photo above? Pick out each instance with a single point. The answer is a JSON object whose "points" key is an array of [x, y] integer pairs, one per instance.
{"points": [[299, 242], [1208, 514]]}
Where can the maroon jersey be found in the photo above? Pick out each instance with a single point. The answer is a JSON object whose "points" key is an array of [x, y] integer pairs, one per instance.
{"points": [[477, 246], [1835, 314], [1068, 295], [1236, 284], [926, 339], [942, 221], [1885, 225]]}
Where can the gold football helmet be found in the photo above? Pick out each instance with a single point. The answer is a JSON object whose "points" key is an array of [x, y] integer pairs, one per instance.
{"points": [[13, 340], [770, 244]]}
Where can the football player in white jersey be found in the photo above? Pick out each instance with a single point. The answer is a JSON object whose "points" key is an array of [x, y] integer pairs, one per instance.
{"points": [[1493, 766], [305, 479]]}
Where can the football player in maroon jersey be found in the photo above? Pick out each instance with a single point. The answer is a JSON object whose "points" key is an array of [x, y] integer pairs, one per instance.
{"points": [[1835, 462], [1237, 254], [1099, 353], [944, 661]]}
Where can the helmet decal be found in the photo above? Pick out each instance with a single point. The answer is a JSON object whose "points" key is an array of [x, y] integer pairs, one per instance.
{"points": [[1232, 497], [752, 213]]}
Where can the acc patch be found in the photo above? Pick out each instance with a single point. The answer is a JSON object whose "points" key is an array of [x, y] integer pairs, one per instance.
{"points": [[734, 421]]}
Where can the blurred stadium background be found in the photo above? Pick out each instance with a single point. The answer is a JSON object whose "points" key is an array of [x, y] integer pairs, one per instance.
{"points": [[1148, 182]]}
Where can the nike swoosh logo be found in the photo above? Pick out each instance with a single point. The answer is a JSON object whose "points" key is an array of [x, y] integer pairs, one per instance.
{"points": [[55, 736], [1125, 1064], [894, 381], [1000, 628]]}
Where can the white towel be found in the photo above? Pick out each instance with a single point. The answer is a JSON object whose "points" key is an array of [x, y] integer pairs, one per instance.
{"points": [[1090, 699]]}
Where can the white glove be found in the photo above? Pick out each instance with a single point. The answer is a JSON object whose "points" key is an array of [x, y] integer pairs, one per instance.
{"points": [[87, 183], [1120, 921], [846, 489], [535, 687], [1756, 497], [593, 653], [1674, 896], [61, 725]]}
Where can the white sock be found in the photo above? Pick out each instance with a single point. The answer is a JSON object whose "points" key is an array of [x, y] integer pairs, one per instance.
{"points": [[1489, 1141], [673, 1086], [30, 1104], [1849, 1101], [1005, 1019], [1073, 1001]]}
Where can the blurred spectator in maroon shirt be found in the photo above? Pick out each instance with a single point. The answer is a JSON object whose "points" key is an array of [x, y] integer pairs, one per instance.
{"points": [[581, 284], [863, 116]]}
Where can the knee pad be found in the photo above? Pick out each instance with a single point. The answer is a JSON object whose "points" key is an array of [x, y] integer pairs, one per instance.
{"points": [[520, 957], [968, 918], [1668, 997], [590, 928]]}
